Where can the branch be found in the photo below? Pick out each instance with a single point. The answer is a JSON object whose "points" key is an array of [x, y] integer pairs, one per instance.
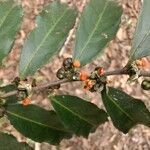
{"points": [[125, 72], [45, 86], [40, 88]]}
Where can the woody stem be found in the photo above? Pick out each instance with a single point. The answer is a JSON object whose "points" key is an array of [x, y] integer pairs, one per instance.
{"points": [[45, 86]]}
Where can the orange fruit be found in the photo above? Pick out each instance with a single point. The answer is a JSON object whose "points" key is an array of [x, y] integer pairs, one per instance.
{"points": [[26, 101], [76, 63], [83, 75], [89, 83]]}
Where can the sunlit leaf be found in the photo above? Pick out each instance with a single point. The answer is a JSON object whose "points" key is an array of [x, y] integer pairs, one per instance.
{"points": [[141, 46], [10, 21], [98, 25], [53, 26]]}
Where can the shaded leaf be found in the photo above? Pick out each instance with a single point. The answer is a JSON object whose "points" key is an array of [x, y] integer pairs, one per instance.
{"points": [[79, 116], [9, 88], [10, 20], [124, 110], [37, 123], [8, 142], [97, 27], [141, 46], [53, 26]]}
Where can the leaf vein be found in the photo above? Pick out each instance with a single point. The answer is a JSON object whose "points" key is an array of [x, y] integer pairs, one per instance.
{"points": [[90, 37], [35, 122], [73, 112], [44, 39]]}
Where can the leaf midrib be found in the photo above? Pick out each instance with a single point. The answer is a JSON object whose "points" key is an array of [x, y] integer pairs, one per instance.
{"points": [[35, 122], [96, 26], [120, 108], [73, 112], [7, 14], [44, 39]]}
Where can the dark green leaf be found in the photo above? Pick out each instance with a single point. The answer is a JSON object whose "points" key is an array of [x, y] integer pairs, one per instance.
{"points": [[124, 110], [8, 142], [37, 123], [99, 24], [79, 116], [53, 26], [9, 88], [141, 46], [10, 20]]}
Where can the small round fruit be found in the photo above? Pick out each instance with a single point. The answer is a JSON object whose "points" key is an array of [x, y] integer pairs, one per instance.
{"points": [[60, 73], [26, 101], [76, 64], [145, 85], [83, 75], [67, 63]]}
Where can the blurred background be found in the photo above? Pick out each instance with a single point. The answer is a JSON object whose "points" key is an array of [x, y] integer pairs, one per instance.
{"points": [[115, 56]]}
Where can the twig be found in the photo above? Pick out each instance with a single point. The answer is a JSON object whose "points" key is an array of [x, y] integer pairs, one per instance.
{"points": [[45, 86], [124, 72]]}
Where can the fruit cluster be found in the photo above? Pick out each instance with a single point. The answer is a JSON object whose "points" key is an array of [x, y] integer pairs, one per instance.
{"points": [[69, 70], [93, 82], [97, 80]]}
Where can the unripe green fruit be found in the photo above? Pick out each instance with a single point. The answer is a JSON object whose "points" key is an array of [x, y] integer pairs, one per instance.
{"points": [[60, 73], [146, 84], [67, 63]]}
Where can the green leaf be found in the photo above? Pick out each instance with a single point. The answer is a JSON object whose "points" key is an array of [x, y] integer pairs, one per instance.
{"points": [[141, 46], [53, 26], [37, 123], [10, 20], [8, 142], [99, 24], [124, 110], [79, 116], [9, 88]]}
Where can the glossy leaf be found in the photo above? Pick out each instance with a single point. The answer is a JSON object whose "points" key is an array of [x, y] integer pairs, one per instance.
{"points": [[124, 110], [53, 26], [10, 20], [9, 88], [79, 116], [37, 123], [141, 46], [98, 25], [8, 142]]}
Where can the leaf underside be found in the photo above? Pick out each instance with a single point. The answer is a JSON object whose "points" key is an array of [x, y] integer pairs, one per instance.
{"points": [[79, 116], [53, 26], [124, 110], [141, 46], [98, 25]]}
